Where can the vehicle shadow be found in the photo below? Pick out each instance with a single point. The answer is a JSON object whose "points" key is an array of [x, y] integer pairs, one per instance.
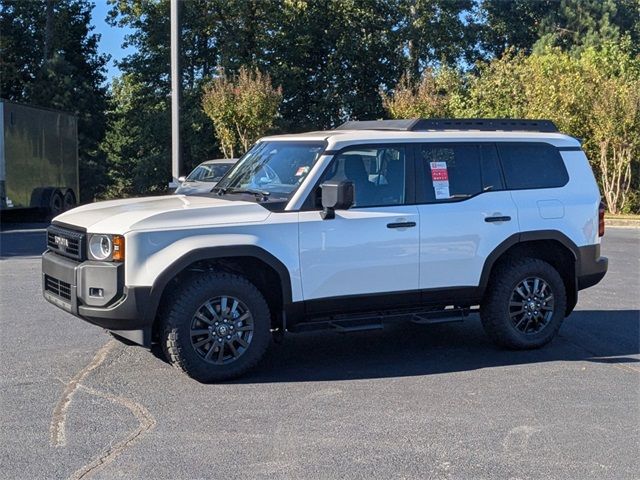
{"points": [[22, 241], [408, 350]]}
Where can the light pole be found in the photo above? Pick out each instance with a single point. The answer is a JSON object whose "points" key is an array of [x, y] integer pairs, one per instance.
{"points": [[175, 94]]}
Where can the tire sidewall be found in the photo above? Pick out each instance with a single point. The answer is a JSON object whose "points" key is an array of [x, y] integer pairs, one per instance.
{"points": [[500, 303], [184, 307]]}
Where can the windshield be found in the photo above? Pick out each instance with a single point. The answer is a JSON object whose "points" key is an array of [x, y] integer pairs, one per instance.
{"points": [[211, 172], [273, 168]]}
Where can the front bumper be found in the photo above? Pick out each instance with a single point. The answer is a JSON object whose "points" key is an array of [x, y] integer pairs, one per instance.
{"points": [[591, 267], [95, 292]]}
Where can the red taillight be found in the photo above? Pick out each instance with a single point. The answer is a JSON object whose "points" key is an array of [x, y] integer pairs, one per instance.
{"points": [[601, 209]]}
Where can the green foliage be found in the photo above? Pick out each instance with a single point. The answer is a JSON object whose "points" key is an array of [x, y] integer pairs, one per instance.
{"points": [[589, 23], [138, 143], [332, 59], [434, 96], [50, 59], [242, 108], [593, 94], [137, 159], [528, 25]]}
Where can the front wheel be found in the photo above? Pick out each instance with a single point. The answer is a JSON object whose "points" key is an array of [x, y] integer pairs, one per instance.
{"points": [[524, 304], [216, 327]]}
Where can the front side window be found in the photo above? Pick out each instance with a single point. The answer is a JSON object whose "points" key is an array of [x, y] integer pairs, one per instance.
{"points": [[272, 170], [377, 173]]}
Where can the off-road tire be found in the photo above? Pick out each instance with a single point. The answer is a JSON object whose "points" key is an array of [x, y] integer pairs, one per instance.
{"points": [[494, 309], [177, 314], [69, 200]]}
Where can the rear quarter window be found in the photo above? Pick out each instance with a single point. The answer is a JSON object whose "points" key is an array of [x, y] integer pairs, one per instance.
{"points": [[532, 165]]}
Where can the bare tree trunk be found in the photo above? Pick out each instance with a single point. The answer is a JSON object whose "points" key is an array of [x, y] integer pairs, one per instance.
{"points": [[615, 167]]}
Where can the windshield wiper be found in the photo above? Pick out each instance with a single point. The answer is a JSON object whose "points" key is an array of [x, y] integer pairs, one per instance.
{"points": [[259, 194]]}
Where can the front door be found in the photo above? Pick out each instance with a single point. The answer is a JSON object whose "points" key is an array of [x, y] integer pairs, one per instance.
{"points": [[367, 257]]}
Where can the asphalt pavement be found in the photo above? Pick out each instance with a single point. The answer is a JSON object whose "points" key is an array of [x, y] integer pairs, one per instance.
{"points": [[409, 401]]}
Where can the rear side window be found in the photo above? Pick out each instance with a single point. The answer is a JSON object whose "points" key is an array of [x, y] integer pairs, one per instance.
{"points": [[455, 172], [532, 165]]}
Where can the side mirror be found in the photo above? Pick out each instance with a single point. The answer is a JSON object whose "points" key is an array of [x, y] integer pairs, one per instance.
{"points": [[182, 179], [336, 195]]}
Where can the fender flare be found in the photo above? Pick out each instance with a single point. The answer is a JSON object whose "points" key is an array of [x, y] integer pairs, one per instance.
{"points": [[212, 253], [523, 237]]}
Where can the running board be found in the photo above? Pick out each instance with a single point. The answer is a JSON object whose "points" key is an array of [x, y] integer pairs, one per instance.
{"points": [[345, 327], [376, 322], [442, 316]]}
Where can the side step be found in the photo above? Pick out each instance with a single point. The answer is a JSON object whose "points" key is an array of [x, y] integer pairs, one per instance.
{"points": [[346, 326], [441, 316], [376, 322]]}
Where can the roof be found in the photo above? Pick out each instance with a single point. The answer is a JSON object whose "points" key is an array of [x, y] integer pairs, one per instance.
{"points": [[455, 124], [437, 129], [337, 139]]}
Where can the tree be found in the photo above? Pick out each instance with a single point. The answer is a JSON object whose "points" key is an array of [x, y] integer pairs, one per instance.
{"points": [[584, 23], [616, 131], [530, 24], [242, 108], [592, 94], [435, 32], [433, 97], [137, 141], [138, 144], [50, 59]]}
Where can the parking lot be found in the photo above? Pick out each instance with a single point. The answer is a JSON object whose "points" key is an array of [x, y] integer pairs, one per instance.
{"points": [[408, 401]]}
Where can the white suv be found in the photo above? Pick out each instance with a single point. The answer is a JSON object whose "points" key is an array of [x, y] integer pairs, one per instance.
{"points": [[421, 220]]}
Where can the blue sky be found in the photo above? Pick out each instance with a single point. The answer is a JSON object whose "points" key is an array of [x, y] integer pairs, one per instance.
{"points": [[111, 38]]}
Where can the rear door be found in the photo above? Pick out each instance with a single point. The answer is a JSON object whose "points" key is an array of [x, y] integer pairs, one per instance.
{"points": [[465, 212]]}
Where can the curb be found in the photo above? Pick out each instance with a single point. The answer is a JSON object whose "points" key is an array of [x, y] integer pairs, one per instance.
{"points": [[622, 222]]}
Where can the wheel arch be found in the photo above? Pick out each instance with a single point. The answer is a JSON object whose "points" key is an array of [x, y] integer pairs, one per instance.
{"points": [[260, 267], [551, 246]]}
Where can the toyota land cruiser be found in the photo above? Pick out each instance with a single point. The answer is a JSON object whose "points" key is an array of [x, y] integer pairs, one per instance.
{"points": [[375, 221]]}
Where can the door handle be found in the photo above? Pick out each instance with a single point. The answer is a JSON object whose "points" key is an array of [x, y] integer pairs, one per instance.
{"points": [[497, 219], [401, 225]]}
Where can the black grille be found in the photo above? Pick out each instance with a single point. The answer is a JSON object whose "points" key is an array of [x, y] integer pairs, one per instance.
{"points": [[57, 287], [64, 241]]}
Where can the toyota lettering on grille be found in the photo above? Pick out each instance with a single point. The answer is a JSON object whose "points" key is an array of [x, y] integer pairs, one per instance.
{"points": [[61, 241]]}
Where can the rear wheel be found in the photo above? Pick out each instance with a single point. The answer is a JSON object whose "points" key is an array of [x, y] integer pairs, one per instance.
{"points": [[56, 203], [68, 200], [216, 327], [524, 304]]}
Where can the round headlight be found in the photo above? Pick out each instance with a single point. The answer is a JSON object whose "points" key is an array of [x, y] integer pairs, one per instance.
{"points": [[100, 247]]}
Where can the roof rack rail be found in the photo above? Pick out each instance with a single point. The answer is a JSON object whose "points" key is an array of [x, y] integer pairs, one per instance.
{"points": [[440, 124]]}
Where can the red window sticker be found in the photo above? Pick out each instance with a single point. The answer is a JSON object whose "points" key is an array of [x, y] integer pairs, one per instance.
{"points": [[440, 179], [439, 172]]}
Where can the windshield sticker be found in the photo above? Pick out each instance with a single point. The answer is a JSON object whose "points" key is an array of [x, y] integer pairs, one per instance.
{"points": [[302, 171], [440, 178]]}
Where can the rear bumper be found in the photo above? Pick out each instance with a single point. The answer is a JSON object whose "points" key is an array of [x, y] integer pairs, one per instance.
{"points": [[591, 267], [72, 285]]}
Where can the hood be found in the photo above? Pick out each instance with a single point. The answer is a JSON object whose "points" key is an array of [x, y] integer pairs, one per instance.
{"points": [[166, 212]]}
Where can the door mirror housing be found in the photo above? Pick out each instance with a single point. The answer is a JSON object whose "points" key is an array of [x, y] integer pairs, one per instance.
{"points": [[182, 179], [336, 195]]}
